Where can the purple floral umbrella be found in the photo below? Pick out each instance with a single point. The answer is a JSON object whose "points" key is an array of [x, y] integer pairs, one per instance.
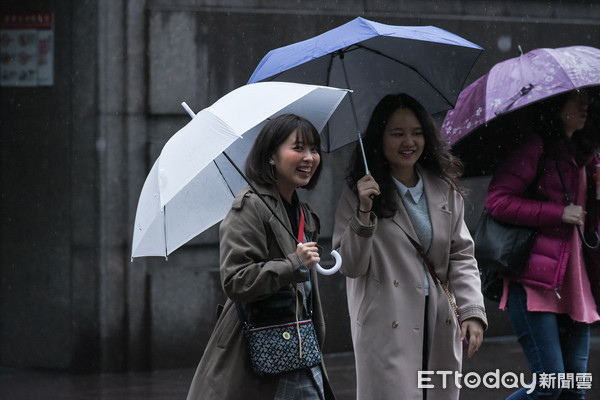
{"points": [[474, 127]]}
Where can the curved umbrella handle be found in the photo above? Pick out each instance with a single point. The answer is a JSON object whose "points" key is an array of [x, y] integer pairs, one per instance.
{"points": [[585, 243], [335, 268]]}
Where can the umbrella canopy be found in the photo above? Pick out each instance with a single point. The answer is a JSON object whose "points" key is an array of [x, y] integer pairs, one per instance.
{"points": [[191, 185], [374, 60], [477, 127]]}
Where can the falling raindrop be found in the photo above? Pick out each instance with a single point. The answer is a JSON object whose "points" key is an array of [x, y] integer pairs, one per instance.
{"points": [[504, 43]]}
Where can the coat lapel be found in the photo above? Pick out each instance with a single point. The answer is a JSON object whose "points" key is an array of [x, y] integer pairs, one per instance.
{"points": [[402, 219], [285, 242], [439, 215], [283, 238]]}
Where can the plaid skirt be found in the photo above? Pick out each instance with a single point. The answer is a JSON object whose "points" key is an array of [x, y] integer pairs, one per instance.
{"points": [[301, 385]]}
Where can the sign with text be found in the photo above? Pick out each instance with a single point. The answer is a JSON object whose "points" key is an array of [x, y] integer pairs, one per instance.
{"points": [[27, 49]]}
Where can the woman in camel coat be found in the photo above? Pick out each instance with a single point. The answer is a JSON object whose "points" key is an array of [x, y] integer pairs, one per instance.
{"points": [[402, 321]]}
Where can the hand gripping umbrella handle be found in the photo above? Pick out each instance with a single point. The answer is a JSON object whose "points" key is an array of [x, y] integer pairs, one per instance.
{"points": [[338, 264], [568, 198]]}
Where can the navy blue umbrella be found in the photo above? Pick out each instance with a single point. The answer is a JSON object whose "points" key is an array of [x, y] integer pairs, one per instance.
{"points": [[374, 60]]}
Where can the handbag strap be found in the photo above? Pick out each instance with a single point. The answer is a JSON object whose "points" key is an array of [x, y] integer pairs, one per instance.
{"points": [[564, 183], [240, 313], [434, 275], [303, 212]]}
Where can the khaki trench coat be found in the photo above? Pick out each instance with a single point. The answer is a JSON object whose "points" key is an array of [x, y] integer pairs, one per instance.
{"points": [[250, 234], [385, 288]]}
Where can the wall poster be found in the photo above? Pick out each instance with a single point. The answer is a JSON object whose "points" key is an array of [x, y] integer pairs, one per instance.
{"points": [[27, 49]]}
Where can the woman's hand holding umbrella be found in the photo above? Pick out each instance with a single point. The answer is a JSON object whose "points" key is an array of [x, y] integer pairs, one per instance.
{"points": [[367, 190], [573, 215], [309, 254]]}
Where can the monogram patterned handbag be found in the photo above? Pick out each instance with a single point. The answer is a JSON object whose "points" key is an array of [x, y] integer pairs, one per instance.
{"points": [[282, 348]]}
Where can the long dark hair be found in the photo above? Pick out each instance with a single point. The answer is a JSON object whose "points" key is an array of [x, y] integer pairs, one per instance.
{"points": [[271, 136], [436, 156], [550, 126], [584, 142]]}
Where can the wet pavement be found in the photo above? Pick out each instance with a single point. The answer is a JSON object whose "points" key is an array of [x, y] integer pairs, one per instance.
{"points": [[499, 353]]}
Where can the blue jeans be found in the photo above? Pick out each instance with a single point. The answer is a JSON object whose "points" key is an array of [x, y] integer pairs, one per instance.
{"points": [[553, 343]]}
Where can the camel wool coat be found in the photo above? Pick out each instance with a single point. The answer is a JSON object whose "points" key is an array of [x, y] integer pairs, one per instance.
{"points": [[258, 260], [386, 298]]}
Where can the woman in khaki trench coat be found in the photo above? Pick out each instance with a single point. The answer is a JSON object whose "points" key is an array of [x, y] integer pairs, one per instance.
{"points": [[262, 268], [402, 322]]}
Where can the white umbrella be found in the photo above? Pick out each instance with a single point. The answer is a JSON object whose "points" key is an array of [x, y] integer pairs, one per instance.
{"points": [[191, 185]]}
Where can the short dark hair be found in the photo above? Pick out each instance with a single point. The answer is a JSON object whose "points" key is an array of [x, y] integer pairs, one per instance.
{"points": [[436, 156], [273, 134]]}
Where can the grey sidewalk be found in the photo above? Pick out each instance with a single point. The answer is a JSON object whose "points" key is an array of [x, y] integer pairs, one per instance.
{"points": [[502, 353]]}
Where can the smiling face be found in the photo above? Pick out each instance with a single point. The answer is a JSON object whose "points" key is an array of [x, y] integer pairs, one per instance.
{"points": [[295, 164], [403, 144], [574, 112]]}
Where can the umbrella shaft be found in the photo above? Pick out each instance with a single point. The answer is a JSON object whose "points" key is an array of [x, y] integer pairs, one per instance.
{"points": [[261, 197], [362, 147]]}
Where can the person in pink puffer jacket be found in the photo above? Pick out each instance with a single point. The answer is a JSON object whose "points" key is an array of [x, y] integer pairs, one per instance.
{"points": [[552, 304]]}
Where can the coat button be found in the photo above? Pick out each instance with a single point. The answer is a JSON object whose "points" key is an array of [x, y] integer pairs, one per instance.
{"points": [[287, 336], [396, 283], [448, 321], [395, 324]]}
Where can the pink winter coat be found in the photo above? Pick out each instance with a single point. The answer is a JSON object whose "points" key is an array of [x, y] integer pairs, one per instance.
{"points": [[550, 253]]}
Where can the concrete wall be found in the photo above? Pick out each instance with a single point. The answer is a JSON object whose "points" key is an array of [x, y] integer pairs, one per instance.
{"points": [[75, 156], [36, 244]]}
